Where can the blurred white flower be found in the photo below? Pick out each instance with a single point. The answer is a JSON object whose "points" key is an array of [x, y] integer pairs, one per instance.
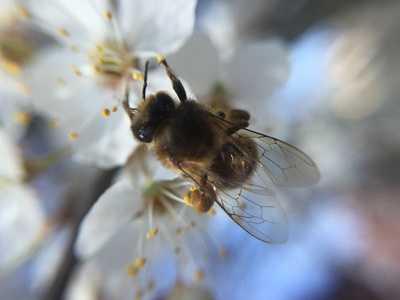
{"points": [[245, 79], [21, 217], [141, 216], [81, 82]]}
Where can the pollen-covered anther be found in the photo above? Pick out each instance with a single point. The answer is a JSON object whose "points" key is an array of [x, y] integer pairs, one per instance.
{"points": [[75, 70], [114, 109], [11, 67], [73, 135], [107, 15], [132, 270], [140, 262], [138, 76], [22, 117], [105, 112], [23, 87], [198, 276], [54, 123], [22, 12], [212, 212], [152, 233], [160, 58], [63, 32], [60, 81]]}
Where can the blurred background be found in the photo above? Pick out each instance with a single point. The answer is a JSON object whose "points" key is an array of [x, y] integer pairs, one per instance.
{"points": [[338, 102]]}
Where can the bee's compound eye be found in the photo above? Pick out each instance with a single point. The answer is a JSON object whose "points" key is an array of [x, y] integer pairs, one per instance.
{"points": [[144, 134]]}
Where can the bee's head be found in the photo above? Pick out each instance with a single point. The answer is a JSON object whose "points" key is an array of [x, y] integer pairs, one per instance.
{"points": [[150, 114]]}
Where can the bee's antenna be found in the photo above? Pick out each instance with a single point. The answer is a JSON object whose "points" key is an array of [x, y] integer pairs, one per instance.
{"points": [[146, 69], [176, 83]]}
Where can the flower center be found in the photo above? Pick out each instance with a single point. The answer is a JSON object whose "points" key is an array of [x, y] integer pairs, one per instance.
{"points": [[111, 63]]}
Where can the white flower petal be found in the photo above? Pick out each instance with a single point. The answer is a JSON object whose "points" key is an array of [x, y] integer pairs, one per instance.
{"points": [[112, 211], [21, 221], [256, 70], [157, 25]]}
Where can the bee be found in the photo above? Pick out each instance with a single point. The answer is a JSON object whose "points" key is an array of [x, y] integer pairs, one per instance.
{"points": [[237, 168]]}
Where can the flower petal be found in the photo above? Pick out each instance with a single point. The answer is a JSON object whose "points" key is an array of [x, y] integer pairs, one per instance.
{"points": [[11, 167], [157, 25], [112, 211]]}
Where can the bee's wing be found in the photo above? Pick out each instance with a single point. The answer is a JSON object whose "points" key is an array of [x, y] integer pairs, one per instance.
{"points": [[285, 165]]}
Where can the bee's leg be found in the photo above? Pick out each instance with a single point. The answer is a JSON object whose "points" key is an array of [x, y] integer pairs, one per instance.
{"points": [[176, 83], [238, 117]]}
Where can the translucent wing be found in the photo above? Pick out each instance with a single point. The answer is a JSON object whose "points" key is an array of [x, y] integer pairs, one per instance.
{"points": [[252, 203]]}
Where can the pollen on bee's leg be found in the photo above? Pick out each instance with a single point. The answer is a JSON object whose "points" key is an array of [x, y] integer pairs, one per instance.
{"points": [[140, 262], [212, 212], [152, 233], [105, 112]]}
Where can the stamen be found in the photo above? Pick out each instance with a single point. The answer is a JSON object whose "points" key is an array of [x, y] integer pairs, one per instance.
{"points": [[22, 117], [54, 123], [73, 135], [60, 81], [107, 15], [140, 262], [114, 109], [11, 67], [63, 32], [105, 112], [152, 233], [198, 276], [138, 76], [132, 271], [74, 49], [22, 12], [23, 87]]}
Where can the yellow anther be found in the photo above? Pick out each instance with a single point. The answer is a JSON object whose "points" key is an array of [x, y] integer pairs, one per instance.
{"points": [[22, 117], [63, 32], [60, 81], [73, 49], [105, 112], [73, 135], [223, 252], [152, 233], [100, 60], [198, 276], [178, 231], [140, 262], [54, 123], [132, 270], [114, 109], [160, 58], [107, 15], [177, 250], [212, 212], [150, 286], [193, 188], [22, 12], [138, 295], [11, 67], [23, 87], [138, 76]]}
